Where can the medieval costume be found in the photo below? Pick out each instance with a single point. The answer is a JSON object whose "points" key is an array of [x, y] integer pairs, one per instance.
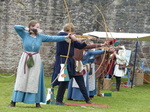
{"points": [[87, 60], [90, 55], [120, 60], [29, 86], [73, 89], [61, 53], [101, 72]]}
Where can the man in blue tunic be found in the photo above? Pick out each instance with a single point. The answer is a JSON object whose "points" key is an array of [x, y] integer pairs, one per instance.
{"points": [[61, 54]]}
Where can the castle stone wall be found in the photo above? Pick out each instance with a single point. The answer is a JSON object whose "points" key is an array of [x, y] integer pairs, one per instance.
{"points": [[131, 16]]}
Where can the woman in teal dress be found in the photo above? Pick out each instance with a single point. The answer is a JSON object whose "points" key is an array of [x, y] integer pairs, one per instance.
{"points": [[29, 86]]}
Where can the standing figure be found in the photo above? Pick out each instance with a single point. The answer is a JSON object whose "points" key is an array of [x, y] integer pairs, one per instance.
{"points": [[120, 60], [104, 67], [29, 86], [101, 72], [61, 55], [81, 71], [89, 58], [110, 62]]}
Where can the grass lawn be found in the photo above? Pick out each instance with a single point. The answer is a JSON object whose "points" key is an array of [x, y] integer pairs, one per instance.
{"points": [[136, 99]]}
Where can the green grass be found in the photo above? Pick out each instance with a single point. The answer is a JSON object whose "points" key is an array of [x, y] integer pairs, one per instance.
{"points": [[136, 99]]}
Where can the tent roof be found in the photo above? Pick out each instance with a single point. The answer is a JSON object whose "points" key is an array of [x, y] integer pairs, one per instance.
{"points": [[130, 36]]}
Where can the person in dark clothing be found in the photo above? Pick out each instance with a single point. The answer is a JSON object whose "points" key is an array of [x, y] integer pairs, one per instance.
{"points": [[61, 54]]}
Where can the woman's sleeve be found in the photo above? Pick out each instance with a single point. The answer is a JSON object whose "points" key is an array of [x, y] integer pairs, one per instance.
{"points": [[96, 52], [20, 30], [48, 38]]}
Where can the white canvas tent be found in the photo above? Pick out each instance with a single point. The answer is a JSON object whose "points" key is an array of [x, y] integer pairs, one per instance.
{"points": [[129, 36]]}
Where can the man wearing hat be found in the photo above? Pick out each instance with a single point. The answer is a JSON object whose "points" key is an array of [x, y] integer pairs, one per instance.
{"points": [[120, 60]]}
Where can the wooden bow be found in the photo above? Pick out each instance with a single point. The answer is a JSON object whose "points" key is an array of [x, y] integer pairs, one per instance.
{"points": [[68, 42]]}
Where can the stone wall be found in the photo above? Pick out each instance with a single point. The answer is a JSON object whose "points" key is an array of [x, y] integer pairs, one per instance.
{"points": [[121, 16]]}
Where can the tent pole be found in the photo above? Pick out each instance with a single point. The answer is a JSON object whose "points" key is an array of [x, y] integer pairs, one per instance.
{"points": [[134, 66]]}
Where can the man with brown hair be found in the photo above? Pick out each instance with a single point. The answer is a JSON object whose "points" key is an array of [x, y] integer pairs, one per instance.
{"points": [[61, 54]]}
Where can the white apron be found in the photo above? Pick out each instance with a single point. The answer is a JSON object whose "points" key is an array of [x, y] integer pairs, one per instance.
{"points": [[92, 78], [27, 78]]}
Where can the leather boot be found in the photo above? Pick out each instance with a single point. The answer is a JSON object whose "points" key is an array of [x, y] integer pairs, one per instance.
{"points": [[38, 105], [12, 104], [118, 84], [118, 81], [89, 102], [115, 89]]}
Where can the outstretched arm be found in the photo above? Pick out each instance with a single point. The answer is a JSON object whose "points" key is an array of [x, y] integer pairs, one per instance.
{"points": [[96, 52], [49, 38]]}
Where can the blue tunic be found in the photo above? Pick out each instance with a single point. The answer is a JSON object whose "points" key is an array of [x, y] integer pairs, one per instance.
{"points": [[89, 56], [32, 44], [75, 93], [62, 49]]}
